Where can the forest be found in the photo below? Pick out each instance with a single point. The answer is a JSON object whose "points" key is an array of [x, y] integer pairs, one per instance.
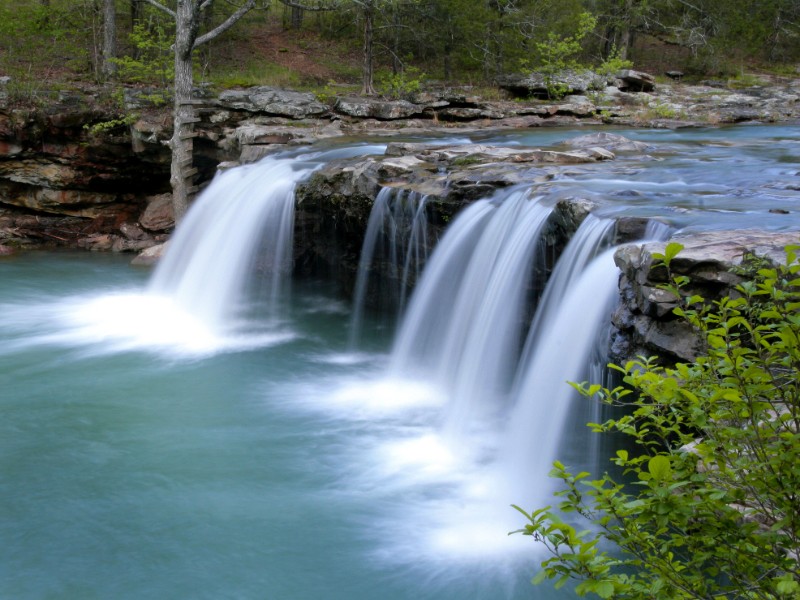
{"points": [[386, 46]]}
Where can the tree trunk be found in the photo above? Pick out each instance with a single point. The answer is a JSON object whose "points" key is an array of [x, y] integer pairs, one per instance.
{"points": [[297, 17], [187, 24], [109, 38], [136, 11], [181, 171], [368, 88]]}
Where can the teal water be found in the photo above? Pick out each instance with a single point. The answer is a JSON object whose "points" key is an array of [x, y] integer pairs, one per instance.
{"points": [[286, 470]]}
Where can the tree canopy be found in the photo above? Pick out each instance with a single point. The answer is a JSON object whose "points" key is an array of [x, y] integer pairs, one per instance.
{"points": [[455, 40]]}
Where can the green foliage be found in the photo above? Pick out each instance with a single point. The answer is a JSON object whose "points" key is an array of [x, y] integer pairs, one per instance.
{"points": [[42, 46], [745, 80], [558, 53], [708, 506], [152, 62], [122, 120], [401, 84], [612, 64], [112, 124]]}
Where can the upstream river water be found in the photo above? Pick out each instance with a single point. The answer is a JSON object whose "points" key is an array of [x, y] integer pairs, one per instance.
{"points": [[143, 457]]}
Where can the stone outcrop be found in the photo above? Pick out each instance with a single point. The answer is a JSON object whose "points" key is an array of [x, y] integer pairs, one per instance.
{"points": [[611, 142], [384, 110], [644, 322], [272, 101], [635, 81], [334, 204], [540, 85], [60, 183]]}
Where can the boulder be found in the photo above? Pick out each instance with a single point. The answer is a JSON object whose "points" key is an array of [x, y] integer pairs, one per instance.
{"points": [[384, 110], [133, 232], [608, 141], [150, 256], [159, 214], [272, 101], [539, 85], [636, 81]]}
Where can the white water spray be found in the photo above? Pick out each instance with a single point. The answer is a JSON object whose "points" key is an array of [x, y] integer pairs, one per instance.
{"points": [[213, 252]]}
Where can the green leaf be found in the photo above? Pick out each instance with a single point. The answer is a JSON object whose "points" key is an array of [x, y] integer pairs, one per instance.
{"points": [[540, 577], [659, 468], [671, 251], [787, 587], [604, 589]]}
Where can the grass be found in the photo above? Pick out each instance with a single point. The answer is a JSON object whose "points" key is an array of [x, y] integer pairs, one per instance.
{"points": [[258, 73], [745, 80]]}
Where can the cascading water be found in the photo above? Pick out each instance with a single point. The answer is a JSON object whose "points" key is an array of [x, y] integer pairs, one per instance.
{"points": [[464, 321], [567, 341], [212, 254], [396, 241], [558, 354]]}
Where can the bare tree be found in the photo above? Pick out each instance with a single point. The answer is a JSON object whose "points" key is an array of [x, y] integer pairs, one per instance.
{"points": [[187, 15]]}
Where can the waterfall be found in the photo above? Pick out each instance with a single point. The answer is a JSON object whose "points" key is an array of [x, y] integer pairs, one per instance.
{"points": [[396, 239], [243, 221], [464, 322], [568, 341], [558, 354]]}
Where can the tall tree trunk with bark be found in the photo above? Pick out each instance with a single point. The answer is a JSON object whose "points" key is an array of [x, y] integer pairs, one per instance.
{"points": [[297, 17], [181, 172], [187, 15], [368, 86], [109, 38]]}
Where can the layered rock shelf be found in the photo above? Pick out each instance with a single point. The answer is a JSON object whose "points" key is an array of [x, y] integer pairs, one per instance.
{"points": [[63, 183]]}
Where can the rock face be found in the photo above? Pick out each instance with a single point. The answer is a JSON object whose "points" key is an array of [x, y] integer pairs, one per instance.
{"points": [[384, 110], [636, 81], [59, 183], [333, 206], [645, 325]]}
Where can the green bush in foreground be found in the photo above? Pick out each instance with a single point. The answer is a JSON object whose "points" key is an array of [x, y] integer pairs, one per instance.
{"points": [[709, 506]]}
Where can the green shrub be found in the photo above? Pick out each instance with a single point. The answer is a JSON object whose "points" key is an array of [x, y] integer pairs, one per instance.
{"points": [[709, 504], [558, 53], [154, 62], [613, 64], [401, 84]]}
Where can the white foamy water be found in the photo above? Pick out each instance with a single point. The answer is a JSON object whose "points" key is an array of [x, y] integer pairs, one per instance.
{"points": [[121, 322]]}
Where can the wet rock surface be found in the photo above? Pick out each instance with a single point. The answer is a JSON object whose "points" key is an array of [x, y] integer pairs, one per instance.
{"points": [[644, 322]]}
